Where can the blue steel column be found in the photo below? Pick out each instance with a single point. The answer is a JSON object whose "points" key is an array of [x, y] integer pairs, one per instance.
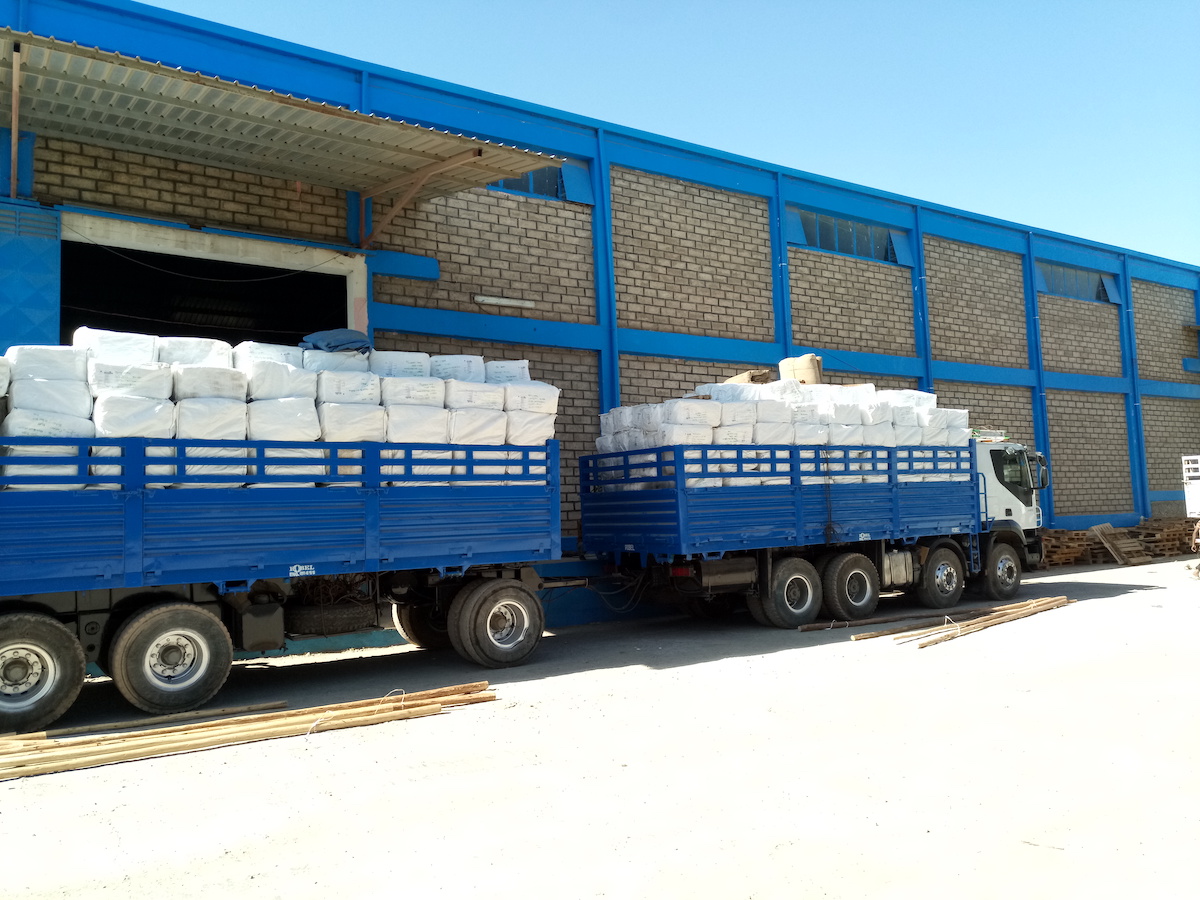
{"points": [[1033, 337], [781, 282], [1135, 433], [922, 340], [605, 276]]}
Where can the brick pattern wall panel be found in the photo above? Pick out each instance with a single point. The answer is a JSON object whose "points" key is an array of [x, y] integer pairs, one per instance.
{"points": [[994, 407], [653, 379], [498, 245], [1171, 427], [976, 299], [124, 181], [1080, 336], [845, 303], [1159, 313], [881, 382], [575, 372], [1089, 454], [690, 259]]}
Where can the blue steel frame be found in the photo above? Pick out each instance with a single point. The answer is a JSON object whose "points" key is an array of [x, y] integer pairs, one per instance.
{"points": [[251, 59]]}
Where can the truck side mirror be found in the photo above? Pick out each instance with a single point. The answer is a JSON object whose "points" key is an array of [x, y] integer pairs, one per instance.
{"points": [[1043, 471]]}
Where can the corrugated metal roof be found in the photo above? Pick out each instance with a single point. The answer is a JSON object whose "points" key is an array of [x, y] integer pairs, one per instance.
{"points": [[98, 97]]}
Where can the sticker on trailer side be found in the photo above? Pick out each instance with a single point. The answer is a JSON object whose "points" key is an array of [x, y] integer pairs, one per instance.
{"points": [[300, 571], [864, 536]]}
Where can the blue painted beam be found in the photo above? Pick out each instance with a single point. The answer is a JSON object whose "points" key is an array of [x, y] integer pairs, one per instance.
{"points": [[1165, 496], [922, 336], [979, 374], [781, 280], [1169, 389], [403, 265], [484, 327], [1100, 384], [604, 273]]}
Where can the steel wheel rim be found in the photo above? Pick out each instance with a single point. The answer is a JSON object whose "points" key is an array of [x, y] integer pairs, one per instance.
{"points": [[27, 673], [507, 623], [1006, 571], [858, 589], [176, 659], [945, 576], [797, 593]]}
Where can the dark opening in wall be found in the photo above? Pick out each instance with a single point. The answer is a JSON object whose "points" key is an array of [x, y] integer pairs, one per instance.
{"points": [[178, 296]]}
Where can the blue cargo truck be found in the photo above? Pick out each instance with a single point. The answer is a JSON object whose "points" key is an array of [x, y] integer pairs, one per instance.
{"points": [[155, 563], [788, 531]]}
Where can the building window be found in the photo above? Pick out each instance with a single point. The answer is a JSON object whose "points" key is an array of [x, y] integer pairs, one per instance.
{"points": [[538, 183], [847, 236], [1066, 281]]}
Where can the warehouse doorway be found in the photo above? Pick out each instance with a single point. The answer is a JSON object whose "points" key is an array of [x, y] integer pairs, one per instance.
{"points": [[130, 276]]}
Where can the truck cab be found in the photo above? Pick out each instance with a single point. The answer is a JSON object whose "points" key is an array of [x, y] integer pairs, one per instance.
{"points": [[1012, 475]]}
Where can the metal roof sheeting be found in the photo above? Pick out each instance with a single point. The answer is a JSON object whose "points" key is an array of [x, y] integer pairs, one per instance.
{"points": [[97, 97]]}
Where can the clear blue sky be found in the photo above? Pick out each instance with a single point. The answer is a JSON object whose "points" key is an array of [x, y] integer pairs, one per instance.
{"points": [[1079, 116]]}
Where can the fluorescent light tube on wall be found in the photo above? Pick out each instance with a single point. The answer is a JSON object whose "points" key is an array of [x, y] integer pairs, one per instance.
{"points": [[503, 301]]}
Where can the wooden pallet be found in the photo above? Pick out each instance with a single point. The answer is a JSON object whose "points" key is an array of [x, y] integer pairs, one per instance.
{"points": [[1126, 550]]}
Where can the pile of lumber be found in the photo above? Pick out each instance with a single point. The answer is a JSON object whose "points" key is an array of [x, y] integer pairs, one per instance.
{"points": [[66, 749], [1164, 537], [1104, 544], [1062, 547], [937, 630]]}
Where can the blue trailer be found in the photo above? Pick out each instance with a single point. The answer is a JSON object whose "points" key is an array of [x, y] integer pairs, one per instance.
{"points": [[789, 531], [154, 562]]}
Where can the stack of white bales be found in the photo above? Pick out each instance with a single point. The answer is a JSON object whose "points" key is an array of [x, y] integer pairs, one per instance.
{"points": [[790, 412], [47, 396]]}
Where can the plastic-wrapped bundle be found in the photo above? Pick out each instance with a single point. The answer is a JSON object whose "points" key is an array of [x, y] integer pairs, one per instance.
{"points": [[671, 434], [606, 443], [120, 416], [268, 379], [705, 472], [71, 398], [881, 435], [5, 375], [846, 435], [398, 363], [153, 381], [348, 387], [913, 465], [116, 346], [287, 419], [249, 351], [459, 367], [417, 425], [957, 418], [876, 412], [412, 391], [773, 432], [648, 416], [769, 412], [217, 419], [51, 362], [908, 435], [905, 417], [529, 429], [506, 371], [37, 423], [739, 414], [839, 466], [935, 437], [933, 418], [623, 418], [195, 351], [808, 414], [336, 361], [692, 412], [351, 422], [736, 435], [193, 382], [476, 425], [531, 396], [841, 412], [606, 424], [805, 435], [735, 393], [474, 395], [911, 399], [958, 437]]}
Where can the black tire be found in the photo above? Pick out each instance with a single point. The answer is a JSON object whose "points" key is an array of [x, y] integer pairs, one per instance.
{"points": [[756, 603], [851, 587], [171, 658], [794, 597], [337, 618], [424, 626], [1001, 573], [41, 671], [496, 622], [942, 579]]}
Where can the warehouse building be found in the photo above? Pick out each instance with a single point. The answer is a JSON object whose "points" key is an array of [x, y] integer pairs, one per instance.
{"points": [[169, 175]]}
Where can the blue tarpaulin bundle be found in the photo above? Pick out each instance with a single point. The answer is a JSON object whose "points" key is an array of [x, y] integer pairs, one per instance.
{"points": [[337, 339]]}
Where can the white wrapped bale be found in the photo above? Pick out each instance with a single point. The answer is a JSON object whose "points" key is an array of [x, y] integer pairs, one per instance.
{"points": [[217, 419], [398, 363], [529, 429], [841, 412], [50, 362], [846, 435], [287, 419], [151, 381], [250, 351], [417, 425], [935, 437], [606, 443], [805, 434], [739, 414], [606, 424], [881, 435], [268, 379], [116, 346], [531, 396], [348, 387], [692, 412], [623, 418], [195, 351], [477, 425], [351, 423], [38, 423], [905, 417], [336, 361], [121, 416], [672, 434], [808, 414], [195, 382], [930, 417], [506, 371], [876, 412], [736, 393], [909, 435], [908, 398], [957, 418], [773, 432], [412, 391], [460, 367], [773, 412], [736, 435], [474, 395], [71, 398], [958, 437], [5, 375], [648, 416]]}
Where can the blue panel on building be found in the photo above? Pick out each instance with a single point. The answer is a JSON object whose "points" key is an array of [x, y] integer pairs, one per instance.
{"points": [[31, 260]]}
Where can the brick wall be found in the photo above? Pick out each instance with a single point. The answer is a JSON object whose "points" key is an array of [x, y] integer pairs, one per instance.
{"points": [[1159, 313], [1080, 336], [976, 299], [845, 303], [881, 382], [138, 183], [1089, 453], [575, 372], [1172, 430], [653, 379], [691, 259], [997, 407], [498, 245]]}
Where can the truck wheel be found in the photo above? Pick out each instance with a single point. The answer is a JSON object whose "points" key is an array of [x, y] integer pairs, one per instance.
{"points": [[1001, 574], [171, 658], [851, 587], [941, 583], [41, 671], [424, 627], [496, 622], [794, 598]]}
